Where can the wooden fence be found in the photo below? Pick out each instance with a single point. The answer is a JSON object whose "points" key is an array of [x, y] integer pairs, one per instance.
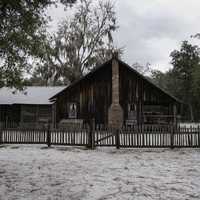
{"points": [[23, 136], [149, 136], [69, 137]]}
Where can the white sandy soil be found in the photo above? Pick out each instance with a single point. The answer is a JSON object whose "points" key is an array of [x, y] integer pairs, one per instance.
{"points": [[30, 172]]}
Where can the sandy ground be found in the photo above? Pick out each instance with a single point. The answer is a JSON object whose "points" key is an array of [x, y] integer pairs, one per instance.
{"points": [[36, 172]]}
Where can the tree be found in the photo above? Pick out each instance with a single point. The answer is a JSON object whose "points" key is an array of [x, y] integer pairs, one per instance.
{"points": [[142, 69], [196, 83], [82, 41], [183, 80], [167, 80], [20, 22], [184, 64], [160, 78], [22, 28]]}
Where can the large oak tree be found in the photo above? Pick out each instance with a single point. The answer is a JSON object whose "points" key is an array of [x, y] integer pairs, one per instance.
{"points": [[82, 42]]}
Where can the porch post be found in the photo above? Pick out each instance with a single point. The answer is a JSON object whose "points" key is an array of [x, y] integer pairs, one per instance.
{"points": [[174, 115], [53, 107]]}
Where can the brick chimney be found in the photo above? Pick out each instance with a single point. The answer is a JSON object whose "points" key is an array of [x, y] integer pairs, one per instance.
{"points": [[115, 112]]}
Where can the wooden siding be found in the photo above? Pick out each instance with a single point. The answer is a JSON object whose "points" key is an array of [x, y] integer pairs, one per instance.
{"points": [[10, 113], [35, 113], [138, 91], [93, 96]]}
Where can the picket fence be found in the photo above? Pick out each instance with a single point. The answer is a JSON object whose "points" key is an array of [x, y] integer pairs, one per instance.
{"points": [[148, 136]]}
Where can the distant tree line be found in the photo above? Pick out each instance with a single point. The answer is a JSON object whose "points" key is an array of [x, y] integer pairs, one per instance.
{"points": [[183, 80]]}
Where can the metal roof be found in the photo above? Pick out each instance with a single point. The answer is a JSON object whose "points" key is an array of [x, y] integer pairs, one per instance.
{"points": [[30, 95]]}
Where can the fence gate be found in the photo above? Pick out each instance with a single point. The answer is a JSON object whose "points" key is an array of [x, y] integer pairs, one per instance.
{"points": [[104, 136]]}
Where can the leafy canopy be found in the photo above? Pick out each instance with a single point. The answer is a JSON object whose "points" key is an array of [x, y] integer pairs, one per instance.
{"points": [[183, 80], [82, 42], [22, 30]]}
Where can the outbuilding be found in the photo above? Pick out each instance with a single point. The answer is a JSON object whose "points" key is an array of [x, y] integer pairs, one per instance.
{"points": [[28, 108], [114, 94]]}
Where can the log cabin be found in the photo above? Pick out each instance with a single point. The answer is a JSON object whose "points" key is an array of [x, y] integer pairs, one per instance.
{"points": [[114, 94], [29, 108]]}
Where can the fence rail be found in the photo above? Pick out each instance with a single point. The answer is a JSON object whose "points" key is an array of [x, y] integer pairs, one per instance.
{"points": [[146, 136]]}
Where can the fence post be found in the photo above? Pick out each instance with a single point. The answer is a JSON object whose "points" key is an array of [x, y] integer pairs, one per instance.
{"points": [[198, 129], [1, 135], [117, 131], [48, 135], [172, 137], [91, 142]]}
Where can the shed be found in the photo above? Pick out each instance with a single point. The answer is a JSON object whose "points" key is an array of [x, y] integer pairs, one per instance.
{"points": [[28, 107]]}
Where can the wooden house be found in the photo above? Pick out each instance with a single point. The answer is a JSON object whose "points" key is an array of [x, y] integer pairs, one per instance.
{"points": [[115, 94], [28, 108]]}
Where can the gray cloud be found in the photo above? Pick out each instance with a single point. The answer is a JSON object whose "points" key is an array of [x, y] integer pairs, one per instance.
{"points": [[151, 29]]}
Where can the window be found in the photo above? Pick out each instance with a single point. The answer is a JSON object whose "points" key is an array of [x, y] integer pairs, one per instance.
{"points": [[72, 110], [131, 107], [132, 111]]}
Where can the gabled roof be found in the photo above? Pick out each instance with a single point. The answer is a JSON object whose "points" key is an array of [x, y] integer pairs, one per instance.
{"points": [[31, 95], [150, 82], [105, 64], [81, 79]]}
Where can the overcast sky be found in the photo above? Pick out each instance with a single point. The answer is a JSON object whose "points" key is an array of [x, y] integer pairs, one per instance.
{"points": [[150, 29]]}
